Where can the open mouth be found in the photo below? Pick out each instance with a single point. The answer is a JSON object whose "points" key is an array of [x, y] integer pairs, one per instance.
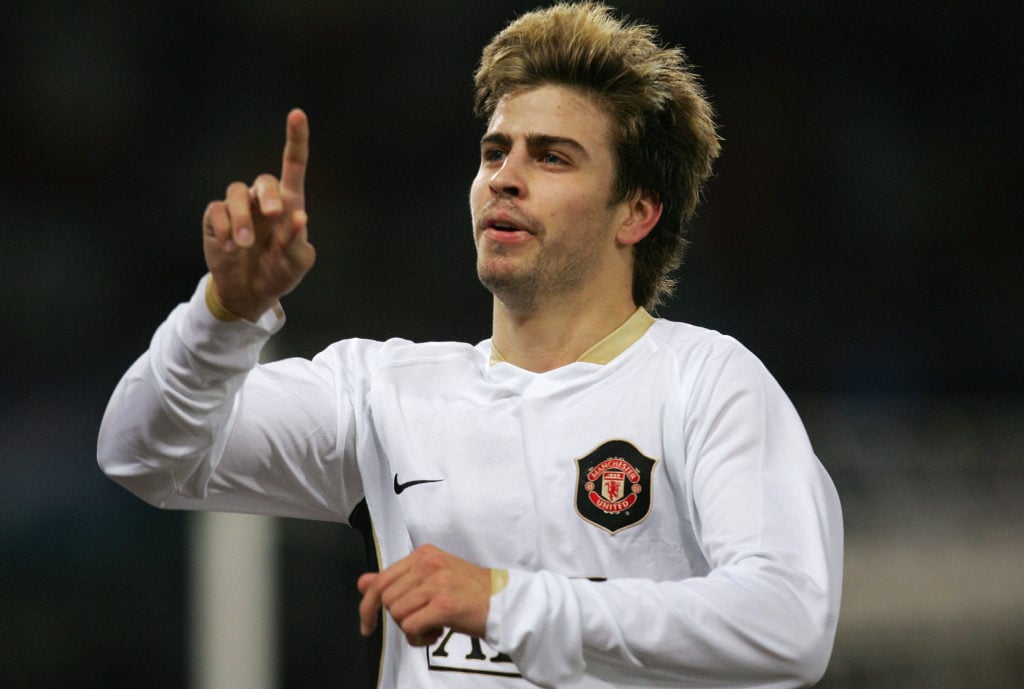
{"points": [[506, 226], [506, 232], [504, 223]]}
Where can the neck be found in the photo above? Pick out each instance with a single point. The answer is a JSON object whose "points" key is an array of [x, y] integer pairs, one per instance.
{"points": [[548, 336]]}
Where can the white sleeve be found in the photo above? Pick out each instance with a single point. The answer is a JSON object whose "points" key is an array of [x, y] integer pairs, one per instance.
{"points": [[196, 423], [768, 520]]}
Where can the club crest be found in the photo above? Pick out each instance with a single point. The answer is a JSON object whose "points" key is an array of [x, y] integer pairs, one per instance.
{"points": [[613, 486]]}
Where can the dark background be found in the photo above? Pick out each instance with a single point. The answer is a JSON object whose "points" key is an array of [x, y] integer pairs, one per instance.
{"points": [[862, 236]]}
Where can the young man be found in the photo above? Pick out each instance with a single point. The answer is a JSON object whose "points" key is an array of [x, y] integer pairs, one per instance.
{"points": [[591, 498]]}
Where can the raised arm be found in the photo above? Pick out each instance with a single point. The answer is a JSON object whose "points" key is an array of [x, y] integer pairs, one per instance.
{"points": [[255, 239], [195, 423]]}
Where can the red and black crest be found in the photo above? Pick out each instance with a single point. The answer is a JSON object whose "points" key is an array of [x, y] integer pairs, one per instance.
{"points": [[613, 486]]}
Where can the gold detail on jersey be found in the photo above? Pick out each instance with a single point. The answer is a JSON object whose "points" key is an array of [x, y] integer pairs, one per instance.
{"points": [[499, 580], [614, 344], [620, 339]]}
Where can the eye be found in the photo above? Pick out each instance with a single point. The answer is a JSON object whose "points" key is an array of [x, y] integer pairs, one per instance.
{"points": [[492, 155], [552, 158]]}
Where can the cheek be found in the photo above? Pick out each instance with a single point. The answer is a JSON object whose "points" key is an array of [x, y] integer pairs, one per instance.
{"points": [[580, 212], [589, 226], [477, 192]]}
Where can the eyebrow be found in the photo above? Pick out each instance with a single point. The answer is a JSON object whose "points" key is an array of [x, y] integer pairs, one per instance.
{"points": [[536, 141]]}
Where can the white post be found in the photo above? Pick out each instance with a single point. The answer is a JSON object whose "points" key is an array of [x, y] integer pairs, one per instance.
{"points": [[233, 640]]}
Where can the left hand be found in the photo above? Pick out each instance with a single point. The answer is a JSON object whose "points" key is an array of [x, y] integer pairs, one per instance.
{"points": [[426, 592]]}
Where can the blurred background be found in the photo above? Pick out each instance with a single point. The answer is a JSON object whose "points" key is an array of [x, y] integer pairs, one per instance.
{"points": [[862, 237]]}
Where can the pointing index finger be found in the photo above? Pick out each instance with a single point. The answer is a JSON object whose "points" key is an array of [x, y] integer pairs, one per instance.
{"points": [[296, 155]]}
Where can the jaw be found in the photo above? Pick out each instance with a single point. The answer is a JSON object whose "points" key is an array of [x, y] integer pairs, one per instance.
{"points": [[507, 276]]}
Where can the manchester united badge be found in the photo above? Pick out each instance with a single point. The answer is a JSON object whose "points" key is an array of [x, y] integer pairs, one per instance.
{"points": [[613, 486]]}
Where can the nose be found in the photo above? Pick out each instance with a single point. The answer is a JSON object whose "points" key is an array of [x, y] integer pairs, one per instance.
{"points": [[507, 180]]}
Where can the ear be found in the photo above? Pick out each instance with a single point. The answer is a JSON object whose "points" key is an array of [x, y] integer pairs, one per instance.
{"points": [[644, 213]]}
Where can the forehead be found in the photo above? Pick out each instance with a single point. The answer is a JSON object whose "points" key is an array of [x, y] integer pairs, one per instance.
{"points": [[552, 110]]}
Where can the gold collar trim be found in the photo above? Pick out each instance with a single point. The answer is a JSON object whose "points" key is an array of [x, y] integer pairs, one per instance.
{"points": [[614, 344]]}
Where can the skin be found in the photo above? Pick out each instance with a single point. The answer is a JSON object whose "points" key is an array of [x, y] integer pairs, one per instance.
{"points": [[563, 280], [425, 592], [255, 240], [551, 246]]}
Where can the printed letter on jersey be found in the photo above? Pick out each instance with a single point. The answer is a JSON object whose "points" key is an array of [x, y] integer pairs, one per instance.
{"points": [[460, 653], [613, 486]]}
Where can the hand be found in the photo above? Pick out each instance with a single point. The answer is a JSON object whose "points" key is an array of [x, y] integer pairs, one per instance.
{"points": [[255, 240], [426, 592]]}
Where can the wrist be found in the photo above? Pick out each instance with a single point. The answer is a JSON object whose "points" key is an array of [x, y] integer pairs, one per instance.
{"points": [[223, 313], [214, 304]]}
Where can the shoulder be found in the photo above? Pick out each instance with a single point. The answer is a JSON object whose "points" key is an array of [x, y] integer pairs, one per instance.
{"points": [[709, 363], [358, 353], [694, 345]]}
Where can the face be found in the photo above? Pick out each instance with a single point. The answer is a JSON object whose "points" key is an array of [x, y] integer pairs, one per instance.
{"points": [[542, 218]]}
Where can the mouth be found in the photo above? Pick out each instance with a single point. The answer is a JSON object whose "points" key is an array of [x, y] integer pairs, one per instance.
{"points": [[503, 224]]}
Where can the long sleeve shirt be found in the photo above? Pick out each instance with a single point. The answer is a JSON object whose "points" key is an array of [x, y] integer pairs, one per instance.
{"points": [[659, 509]]}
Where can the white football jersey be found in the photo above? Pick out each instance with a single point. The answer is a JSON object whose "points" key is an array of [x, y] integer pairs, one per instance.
{"points": [[657, 504]]}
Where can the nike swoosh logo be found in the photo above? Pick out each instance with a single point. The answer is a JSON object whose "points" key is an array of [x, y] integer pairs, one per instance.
{"points": [[399, 487]]}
